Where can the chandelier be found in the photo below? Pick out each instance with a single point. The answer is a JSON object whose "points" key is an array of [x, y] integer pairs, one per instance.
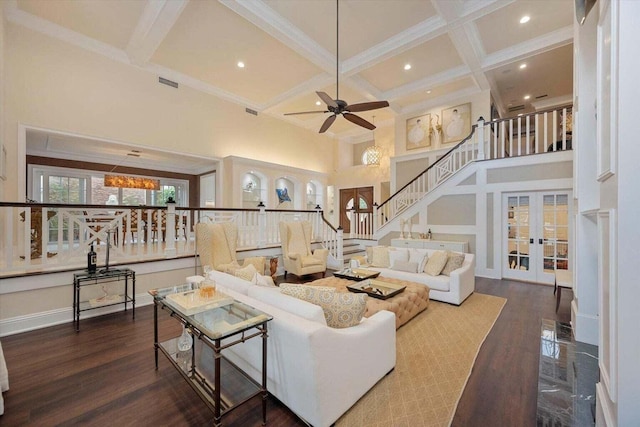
{"points": [[372, 155], [123, 181]]}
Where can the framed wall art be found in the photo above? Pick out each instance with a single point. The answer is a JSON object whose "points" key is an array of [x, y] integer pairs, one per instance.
{"points": [[418, 132], [456, 123]]}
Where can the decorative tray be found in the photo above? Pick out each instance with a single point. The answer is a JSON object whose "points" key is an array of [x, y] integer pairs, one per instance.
{"points": [[190, 302], [356, 274], [376, 288]]}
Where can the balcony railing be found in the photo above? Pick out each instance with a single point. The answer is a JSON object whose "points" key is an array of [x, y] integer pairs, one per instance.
{"points": [[53, 237]]}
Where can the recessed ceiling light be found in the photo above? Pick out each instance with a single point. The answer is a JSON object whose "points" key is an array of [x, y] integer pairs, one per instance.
{"points": [[318, 103], [527, 97], [525, 19], [522, 66], [407, 67], [240, 64], [429, 91]]}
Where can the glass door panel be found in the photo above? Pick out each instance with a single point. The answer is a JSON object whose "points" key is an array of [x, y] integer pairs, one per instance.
{"points": [[518, 227]]}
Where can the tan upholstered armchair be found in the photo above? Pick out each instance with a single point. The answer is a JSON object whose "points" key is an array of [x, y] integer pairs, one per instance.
{"points": [[216, 245], [296, 250]]}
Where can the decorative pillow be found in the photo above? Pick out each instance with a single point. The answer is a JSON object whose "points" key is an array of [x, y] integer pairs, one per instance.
{"points": [[303, 291], [408, 266], [436, 263], [246, 273], [398, 255], [454, 262], [342, 310], [380, 256], [257, 261], [419, 256], [261, 280]]}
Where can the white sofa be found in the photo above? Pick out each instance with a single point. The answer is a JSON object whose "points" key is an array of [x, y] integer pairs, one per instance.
{"points": [[317, 371], [453, 289]]}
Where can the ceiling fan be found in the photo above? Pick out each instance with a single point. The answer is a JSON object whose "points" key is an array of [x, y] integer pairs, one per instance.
{"points": [[338, 106]]}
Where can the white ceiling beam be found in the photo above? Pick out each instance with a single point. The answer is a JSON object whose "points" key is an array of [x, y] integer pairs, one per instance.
{"points": [[401, 42], [157, 19], [442, 100], [265, 18], [430, 82], [544, 43]]}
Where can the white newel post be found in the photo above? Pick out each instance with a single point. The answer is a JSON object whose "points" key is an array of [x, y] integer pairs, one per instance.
{"points": [[340, 251], [353, 222], [318, 223], [262, 225], [376, 220], [170, 241], [480, 138]]}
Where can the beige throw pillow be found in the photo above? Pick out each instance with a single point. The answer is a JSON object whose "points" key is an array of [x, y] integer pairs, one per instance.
{"points": [[246, 273], [436, 263], [454, 262], [257, 261], [303, 291], [380, 257], [341, 310]]}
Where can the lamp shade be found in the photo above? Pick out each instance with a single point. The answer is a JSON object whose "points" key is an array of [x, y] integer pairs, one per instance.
{"points": [[372, 156]]}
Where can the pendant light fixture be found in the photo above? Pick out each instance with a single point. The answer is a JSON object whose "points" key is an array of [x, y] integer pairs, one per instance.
{"points": [[372, 155]]}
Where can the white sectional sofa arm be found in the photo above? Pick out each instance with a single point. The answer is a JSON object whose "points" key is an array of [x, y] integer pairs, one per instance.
{"points": [[463, 279], [317, 371]]}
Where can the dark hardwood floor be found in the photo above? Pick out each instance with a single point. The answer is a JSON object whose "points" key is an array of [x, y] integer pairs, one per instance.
{"points": [[104, 375]]}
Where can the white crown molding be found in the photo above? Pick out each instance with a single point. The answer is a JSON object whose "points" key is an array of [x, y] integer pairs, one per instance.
{"points": [[405, 40], [544, 43], [443, 77], [265, 18], [157, 19], [474, 9]]}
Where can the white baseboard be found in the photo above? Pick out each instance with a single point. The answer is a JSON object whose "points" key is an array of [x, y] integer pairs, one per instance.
{"points": [[585, 326], [30, 322], [604, 413]]}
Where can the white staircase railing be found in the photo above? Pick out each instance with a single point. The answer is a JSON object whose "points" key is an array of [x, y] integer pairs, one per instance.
{"points": [[50, 237], [540, 132]]}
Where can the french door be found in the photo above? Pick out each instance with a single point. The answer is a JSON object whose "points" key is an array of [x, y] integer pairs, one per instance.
{"points": [[536, 238], [358, 200]]}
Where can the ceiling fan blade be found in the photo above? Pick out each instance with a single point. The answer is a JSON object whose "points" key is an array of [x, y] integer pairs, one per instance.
{"points": [[327, 99], [306, 112], [359, 121], [327, 123], [366, 106]]}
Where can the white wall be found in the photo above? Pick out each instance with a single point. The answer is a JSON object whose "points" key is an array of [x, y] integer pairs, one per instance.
{"points": [[54, 85]]}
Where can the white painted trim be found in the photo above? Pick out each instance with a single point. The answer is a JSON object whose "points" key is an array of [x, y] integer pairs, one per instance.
{"points": [[30, 322], [449, 76], [544, 43], [158, 17], [586, 326], [65, 278], [606, 409]]}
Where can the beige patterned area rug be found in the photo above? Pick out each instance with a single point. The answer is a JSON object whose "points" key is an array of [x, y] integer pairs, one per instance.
{"points": [[435, 353]]}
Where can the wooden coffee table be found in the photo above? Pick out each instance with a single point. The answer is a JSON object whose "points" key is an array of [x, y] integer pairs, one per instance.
{"points": [[406, 305]]}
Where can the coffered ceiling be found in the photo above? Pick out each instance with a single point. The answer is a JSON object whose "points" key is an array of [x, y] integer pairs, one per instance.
{"points": [[455, 47]]}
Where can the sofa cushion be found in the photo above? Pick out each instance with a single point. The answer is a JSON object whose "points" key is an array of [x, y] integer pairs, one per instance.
{"points": [[409, 267], [398, 255], [299, 307], [454, 262], [419, 256], [302, 291], [436, 263], [262, 280], [246, 273], [341, 310], [380, 257]]}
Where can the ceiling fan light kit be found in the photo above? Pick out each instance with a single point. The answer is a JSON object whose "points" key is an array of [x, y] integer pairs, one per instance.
{"points": [[338, 106]]}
